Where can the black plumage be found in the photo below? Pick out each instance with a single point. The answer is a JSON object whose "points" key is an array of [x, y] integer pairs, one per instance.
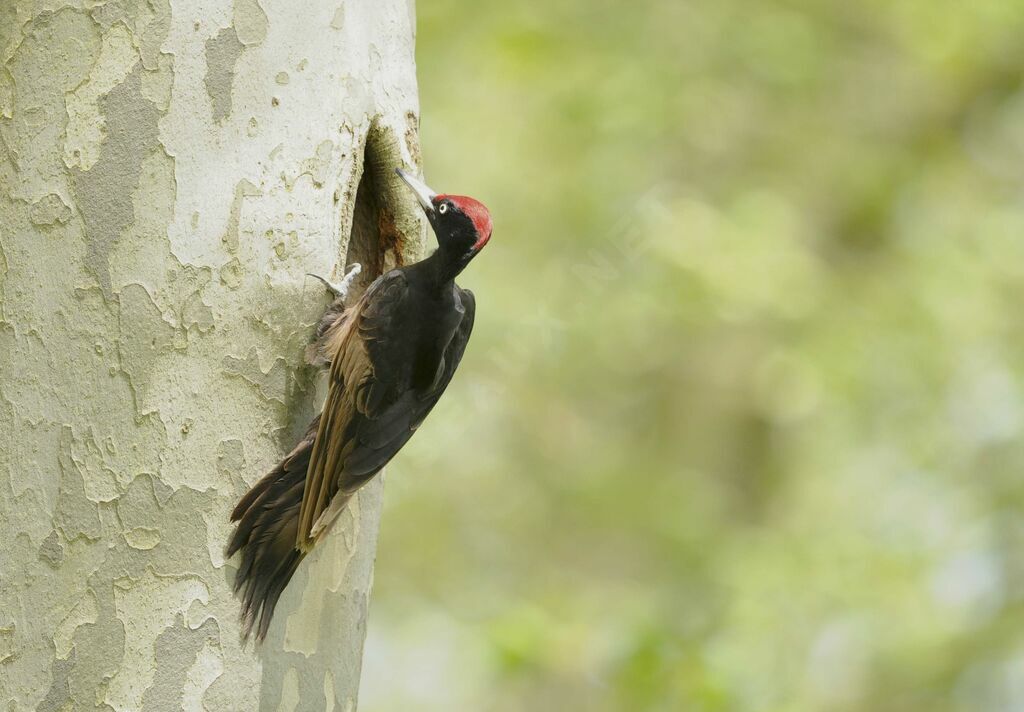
{"points": [[391, 355]]}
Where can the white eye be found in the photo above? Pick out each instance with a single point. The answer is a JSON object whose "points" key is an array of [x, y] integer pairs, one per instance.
{"points": [[443, 208]]}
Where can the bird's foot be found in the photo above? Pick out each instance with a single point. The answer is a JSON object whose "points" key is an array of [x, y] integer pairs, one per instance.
{"points": [[340, 291]]}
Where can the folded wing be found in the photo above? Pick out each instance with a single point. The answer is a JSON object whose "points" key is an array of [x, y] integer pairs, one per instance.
{"points": [[371, 409]]}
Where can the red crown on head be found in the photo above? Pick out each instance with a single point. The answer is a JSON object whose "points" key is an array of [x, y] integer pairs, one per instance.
{"points": [[478, 215]]}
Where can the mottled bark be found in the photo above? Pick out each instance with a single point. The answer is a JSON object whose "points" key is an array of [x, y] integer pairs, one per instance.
{"points": [[169, 171]]}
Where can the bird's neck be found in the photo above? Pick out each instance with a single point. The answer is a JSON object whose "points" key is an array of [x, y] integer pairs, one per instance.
{"points": [[444, 266]]}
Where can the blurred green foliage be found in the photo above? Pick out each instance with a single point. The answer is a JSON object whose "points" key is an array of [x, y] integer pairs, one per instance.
{"points": [[740, 424]]}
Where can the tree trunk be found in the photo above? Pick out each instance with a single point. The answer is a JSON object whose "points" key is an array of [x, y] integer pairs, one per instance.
{"points": [[169, 171]]}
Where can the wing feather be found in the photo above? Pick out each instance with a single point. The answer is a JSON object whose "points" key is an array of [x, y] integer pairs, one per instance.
{"points": [[350, 367], [370, 411]]}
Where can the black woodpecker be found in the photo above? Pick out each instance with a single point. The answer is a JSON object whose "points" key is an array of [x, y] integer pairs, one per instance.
{"points": [[390, 355]]}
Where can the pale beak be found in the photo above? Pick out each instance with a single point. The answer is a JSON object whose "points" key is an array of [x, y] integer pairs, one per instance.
{"points": [[424, 194]]}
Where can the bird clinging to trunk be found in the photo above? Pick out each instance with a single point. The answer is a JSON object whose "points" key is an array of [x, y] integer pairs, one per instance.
{"points": [[390, 355]]}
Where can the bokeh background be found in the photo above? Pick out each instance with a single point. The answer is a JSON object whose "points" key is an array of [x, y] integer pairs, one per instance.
{"points": [[740, 424]]}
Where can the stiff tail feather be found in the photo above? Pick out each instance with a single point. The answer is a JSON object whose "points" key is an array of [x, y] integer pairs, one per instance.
{"points": [[267, 517]]}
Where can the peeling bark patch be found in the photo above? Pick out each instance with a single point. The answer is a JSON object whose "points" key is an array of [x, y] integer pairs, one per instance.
{"points": [[135, 507], [104, 192], [37, 76], [43, 46], [155, 33], [49, 210], [317, 166], [140, 348], [59, 694], [176, 650], [166, 598], [3, 271], [51, 550], [338, 21], [7, 643], [6, 88], [250, 22], [142, 538], [100, 646], [197, 313], [150, 22], [83, 135], [230, 457], [188, 306], [329, 695], [157, 85], [272, 384], [290, 692], [76, 515], [86, 611], [244, 189], [204, 673], [222, 52], [231, 274]]}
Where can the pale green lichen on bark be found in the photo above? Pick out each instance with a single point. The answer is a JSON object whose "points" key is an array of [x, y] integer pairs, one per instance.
{"points": [[151, 341]]}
